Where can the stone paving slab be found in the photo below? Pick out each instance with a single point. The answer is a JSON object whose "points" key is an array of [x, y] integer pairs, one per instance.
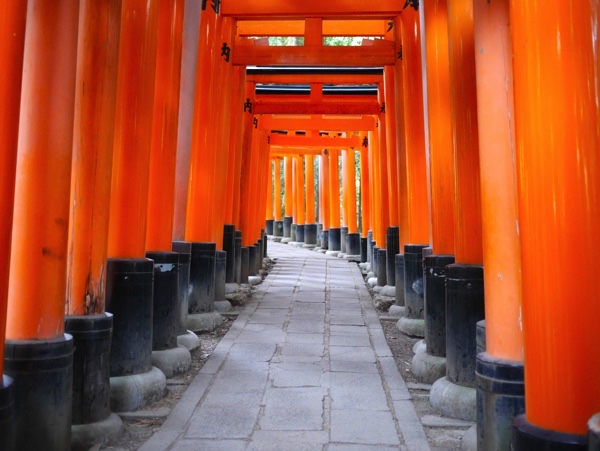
{"points": [[305, 366]]}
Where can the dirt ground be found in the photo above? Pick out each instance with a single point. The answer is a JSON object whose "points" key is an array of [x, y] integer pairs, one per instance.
{"points": [[139, 426]]}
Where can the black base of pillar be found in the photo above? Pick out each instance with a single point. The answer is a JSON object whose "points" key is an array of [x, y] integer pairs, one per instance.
{"points": [[245, 271], [184, 249], [278, 228], [374, 262], [399, 270], [480, 337], [300, 228], [258, 257], [526, 436], [343, 235], [435, 303], [251, 260], [413, 281], [500, 398], [310, 234], [325, 239], [238, 257], [7, 414], [220, 274], [129, 287], [287, 226], [353, 244], [229, 248], [363, 250], [202, 278], [269, 226], [381, 267], [370, 246], [334, 239], [91, 371], [166, 311], [43, 390], [392, 246], [464, 308]]}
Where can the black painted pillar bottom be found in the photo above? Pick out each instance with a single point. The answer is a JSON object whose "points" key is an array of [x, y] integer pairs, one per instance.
{"points": [[381, 267], [270, 226], [300, 232], [7, 414], [245, 265], [278, 229], [343, 235], [310, 235], [500, 398], [334, 240], [353, 245], [363, 250], [184, 249], [526, 436], [42, 371], [325, 239], [238, 257], [287, 226]]}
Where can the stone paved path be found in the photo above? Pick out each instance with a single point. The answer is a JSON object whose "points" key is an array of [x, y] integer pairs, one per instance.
{"points": [[304, 367]]}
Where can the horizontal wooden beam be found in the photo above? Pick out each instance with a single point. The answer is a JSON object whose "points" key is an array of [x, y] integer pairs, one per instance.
{"points": [[267, 107], [331, 79], [339, 9], [322, 142], [381, 53], [295, 28], [286, 151], [365, 123]]}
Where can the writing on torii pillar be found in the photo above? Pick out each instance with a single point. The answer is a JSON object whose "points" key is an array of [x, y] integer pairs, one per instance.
{"points": [[412, 3], [216, 5]]}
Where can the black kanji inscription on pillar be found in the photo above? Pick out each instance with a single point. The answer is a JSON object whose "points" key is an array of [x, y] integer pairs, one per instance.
{"points": [[365, 142], [216, 5], [226, 52], [382, 107], [255, 121], [248, 106], [414, 4], [390, 27], [400, 53]]}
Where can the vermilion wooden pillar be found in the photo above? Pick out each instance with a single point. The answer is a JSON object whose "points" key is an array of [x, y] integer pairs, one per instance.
{"points": [[219, 144], [350, 176], [334, 189], [161, 191], [391, 118], [12, 41], [381, 180], [243, 152], [558, 167], [503, 358], [270, 200], [365, 199], [41, 202], [134, 113], [299, 184], [310, 188], [373, 154], [203, 158], [441, 155], [467, 213], [38, 354], [417, 205], [93, 134]]}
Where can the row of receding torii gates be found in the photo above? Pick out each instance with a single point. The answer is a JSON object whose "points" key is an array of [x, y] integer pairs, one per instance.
{"points": [[127, 124]]}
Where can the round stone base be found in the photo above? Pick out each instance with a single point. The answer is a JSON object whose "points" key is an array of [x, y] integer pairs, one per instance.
{"points": [[371, 281], [222, 306], [86, 436], [454, 401], [377, 288], [428, 368], [332, 253], [468, 442], [131, 393], [204, 322], [231, 288], [397, 311], [254, 280], [286, 240], [309, 246], [276, 239], [388, 290], [341, 255], [189, 340], [420, 346], [411, 327], [172, 361]]}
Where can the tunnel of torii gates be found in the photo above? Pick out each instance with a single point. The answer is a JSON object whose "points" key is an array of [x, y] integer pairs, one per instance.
{"points": [[139, 138]]}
